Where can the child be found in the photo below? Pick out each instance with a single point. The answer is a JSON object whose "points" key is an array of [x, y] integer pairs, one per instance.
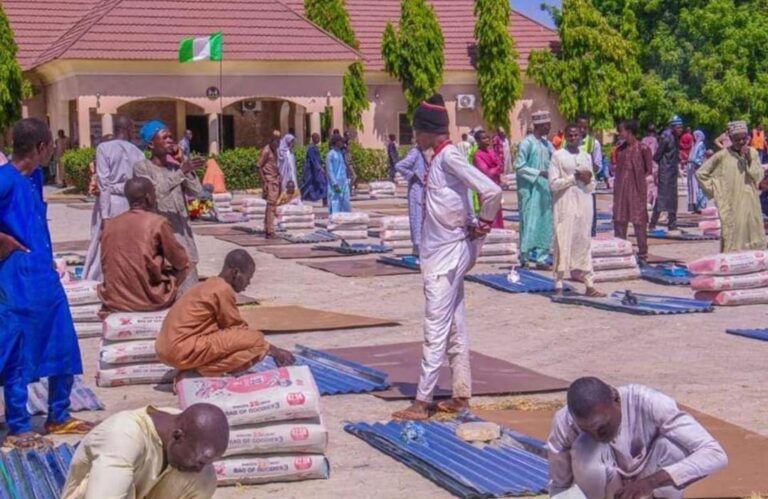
{"points": [[290, 195]]}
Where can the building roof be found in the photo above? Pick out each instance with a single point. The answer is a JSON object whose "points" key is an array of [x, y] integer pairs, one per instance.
{"points": [[263, 30], [369, 18]]}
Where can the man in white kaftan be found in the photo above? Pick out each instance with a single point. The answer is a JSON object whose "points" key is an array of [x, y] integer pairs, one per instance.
{"points": [[631, 441]]}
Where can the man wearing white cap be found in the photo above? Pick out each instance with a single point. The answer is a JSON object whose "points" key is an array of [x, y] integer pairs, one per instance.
{"points": [[668, 158], [732, 177], [533, 192]]}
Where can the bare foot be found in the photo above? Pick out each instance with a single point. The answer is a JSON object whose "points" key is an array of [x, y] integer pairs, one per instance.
{"points": [[453, 406], [594, 293], [418, 411]]}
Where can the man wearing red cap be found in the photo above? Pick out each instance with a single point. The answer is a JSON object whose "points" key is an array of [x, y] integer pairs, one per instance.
{"points": [[450, 243]]}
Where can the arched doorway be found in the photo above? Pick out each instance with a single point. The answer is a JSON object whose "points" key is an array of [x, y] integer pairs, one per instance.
{"points": [[251, 122], [178, 114]]}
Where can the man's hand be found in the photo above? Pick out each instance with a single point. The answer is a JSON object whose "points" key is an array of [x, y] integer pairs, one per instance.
{"points": [[745, 151], [282, 357], [9, 244], [636, 489], [478, 231], [193, 164], [544, 173], [583, 176]]}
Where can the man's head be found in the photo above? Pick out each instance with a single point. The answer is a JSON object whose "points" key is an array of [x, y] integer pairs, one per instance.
{"points": [[651, 131], [200, 435], [430, 122], [140, 193], [392, 137], [238, 269], [315, 138], [542, 123], [464, 137], [124, 128], [596, 408], [156, 134], [628, 129], [290, 188], [61, 134], [32, 142], [188, 134], [739, 134], [676, 125], [583, 121], [483, 140], [337, 142], [573, 135]]}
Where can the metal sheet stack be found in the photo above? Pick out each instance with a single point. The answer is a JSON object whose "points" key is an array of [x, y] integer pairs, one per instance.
{"points": [[500, 247], [381, 190], [85, 305], [396, 233], [293, 217], [349, 226], [613, 259], [730, 279], [276, 433], [127, 355]]}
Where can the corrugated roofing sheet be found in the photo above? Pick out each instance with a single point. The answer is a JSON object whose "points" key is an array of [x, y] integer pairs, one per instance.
{"points": [[357, 249], [334, 375], [683, 236], [660, 274], [34, 474], [646, 304], [466, 470], [755, 334], [320, 236], [530, 282], [82, 398], [406, 262]]}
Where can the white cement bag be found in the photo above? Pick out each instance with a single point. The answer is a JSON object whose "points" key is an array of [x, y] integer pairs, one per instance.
{"points": [[128, 352], [395, 235], [297, 225], [358, 217], [220, 210], [253, 202], [610, 246], [744, 262], [277, 395], [395, 223], [499, 260], [86, 313], [725, 283], [295, 209], [498, 249], [296, 218], [332, 227], [134, 325], [501, 236], [134, 374], [398, 244], [222, 197], [617, 275], [294, 437], [735, 297], [267, 469], [253, 210], [351, 234], [614, 262], [82, 292], [231, 217], [88, 329], [382, 185]]}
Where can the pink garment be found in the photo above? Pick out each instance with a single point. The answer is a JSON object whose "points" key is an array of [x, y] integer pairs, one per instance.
{"points": [[490, 163]]}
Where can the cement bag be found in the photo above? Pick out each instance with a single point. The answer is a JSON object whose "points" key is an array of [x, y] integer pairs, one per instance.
{"points": [[294, 437], [358, 217], [224, 209], [709, 225], [351, 234], [735, 297], [395, 223], [295, 209], [223, 197], [134, 325], [395, 235], [128, 352], [617, 275], [267, 469], [134, 374], [744, 262], [297, 218], [725, 283], [614, 262], [86, 313], [231, 217], [82, 292], [277, 395], [397, 244], [499, 260], [88, 329], [253, 210], [253, 202], [498, 249], [710, 212], [297, 225], [382, 186], [332, 227], [712, 232], [610, 246], [501, 236]]}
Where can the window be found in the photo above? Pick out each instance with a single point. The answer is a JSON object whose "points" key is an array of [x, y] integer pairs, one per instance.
{"points": [[405, 129]]}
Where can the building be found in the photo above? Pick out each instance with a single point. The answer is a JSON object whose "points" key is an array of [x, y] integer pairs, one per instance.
{"points": [[89, 60]]}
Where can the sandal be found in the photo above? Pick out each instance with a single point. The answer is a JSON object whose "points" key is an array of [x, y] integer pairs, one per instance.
{"points": [[28, 440], [594, 293], [73, 426]]}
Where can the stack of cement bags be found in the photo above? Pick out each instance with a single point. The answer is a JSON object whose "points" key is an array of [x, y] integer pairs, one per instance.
{"points": [[293, 217], [127, 355], [400, 180], [732, 278], [509, 182], [85, 305], [252, 209], [500, 247], [396, 233], [710, 225], [613, 259], [276, 434], [382, 190], [225, 211], [349, 226]]}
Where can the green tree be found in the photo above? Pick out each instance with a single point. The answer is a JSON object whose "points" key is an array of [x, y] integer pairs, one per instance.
{"points": [[498, 73], [414, 53], [13, 88], [595, 72], [332, 16]]}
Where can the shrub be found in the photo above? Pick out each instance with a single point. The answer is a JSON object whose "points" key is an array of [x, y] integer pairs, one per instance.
{"points": [[239, 166], [76, 163], [370, 164]]}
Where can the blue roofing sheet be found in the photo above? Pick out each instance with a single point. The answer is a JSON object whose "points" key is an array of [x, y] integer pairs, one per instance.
{"points": [[646, 304], [466, 470], [333, 375], [34, 474], [756, 334], [530, 282], [406, 262], [683, 236], [320, 236], [82, 397], [357, 249], [666, 274]]}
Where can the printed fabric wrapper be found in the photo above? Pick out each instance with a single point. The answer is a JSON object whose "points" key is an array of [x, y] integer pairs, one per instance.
{"points": [[231, 217], [128, 352], [358, 217], [743, 262], [133, 325], [294, 437], [395, 223], [710, 212], [267, 469], [735, 297], [278, 395], [498, 249], [82, 292], [224, 209], [614, 262], [86, 313], [89, 329], [295, 209], [296, 225], [333, 227], [617, 275], [134, 374], [610, 246]]}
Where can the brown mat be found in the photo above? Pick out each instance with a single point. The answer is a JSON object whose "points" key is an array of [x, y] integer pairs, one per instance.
{"points": [[295, 319], [490, 376], [361, 267], [217, 230], [63, 246], [294, 251], [746, 451], [251, 241]]}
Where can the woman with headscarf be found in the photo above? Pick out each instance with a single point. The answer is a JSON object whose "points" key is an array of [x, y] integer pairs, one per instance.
{"points": [[697, 200], [488, 161], [287, 161], [173, 183], [338, 183]]}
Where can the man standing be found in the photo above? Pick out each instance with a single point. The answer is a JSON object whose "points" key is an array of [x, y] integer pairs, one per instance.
{"points": [[270, 183], [393, 155], [732, 177], [627, 442], [572, 182], [652, 142], [338, 183], [173, 183], [185, 145], [39, 339], [668, 158], [63, 144], [450, 243], [503, 150], [633, 166], [315, 184], [533, 193], [114, 166], [590, 145], [143, 263]]}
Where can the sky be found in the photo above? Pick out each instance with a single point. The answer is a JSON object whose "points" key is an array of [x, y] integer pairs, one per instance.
{"points": [[531, 8]]}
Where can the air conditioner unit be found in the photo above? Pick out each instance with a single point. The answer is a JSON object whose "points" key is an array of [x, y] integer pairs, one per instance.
{"points": [[465, 101], [252, 106]]}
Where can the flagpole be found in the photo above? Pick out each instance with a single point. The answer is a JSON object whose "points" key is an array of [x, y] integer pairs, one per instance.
{"points": [[221, 104]]}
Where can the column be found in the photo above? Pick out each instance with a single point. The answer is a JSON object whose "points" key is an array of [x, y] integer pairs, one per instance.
{"points": [[83, 123], [24, 111], [181, 119], [338, 116], [213, 133], [285, 112], [315, 123], [299, 125], [107, 125]]}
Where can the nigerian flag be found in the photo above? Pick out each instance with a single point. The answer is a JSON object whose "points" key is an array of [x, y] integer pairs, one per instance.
{"points": [[209, 48]]}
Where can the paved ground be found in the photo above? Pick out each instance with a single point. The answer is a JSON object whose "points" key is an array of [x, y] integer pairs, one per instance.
{"points": [[689, 356]]}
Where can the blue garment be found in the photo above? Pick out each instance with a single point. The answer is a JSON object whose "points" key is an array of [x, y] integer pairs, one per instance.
{"points": [[150, 129], [39, 340], [534, 199], [414, 169], [315, 185], [339, 198]]}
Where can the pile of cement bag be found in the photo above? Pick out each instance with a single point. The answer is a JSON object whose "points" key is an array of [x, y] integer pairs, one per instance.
{"points": [[381, 190], [613, 259], [85, 305], [293, 217], [396, 233], [500, 247], [349, 226], [729, 279]]}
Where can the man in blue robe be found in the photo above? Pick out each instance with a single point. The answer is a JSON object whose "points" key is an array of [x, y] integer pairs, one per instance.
{"points": [[314, 187], [39, 339]]}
